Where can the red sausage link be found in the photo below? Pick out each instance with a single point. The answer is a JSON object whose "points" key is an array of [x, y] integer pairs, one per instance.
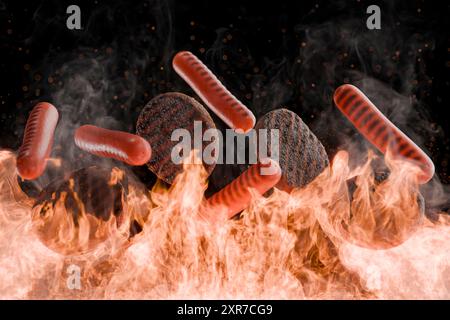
{"points": [[236, 196], [37, 141], [379, 131], [119, 145], [221, 101]]}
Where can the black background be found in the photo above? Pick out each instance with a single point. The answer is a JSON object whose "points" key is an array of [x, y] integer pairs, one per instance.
{"points": [[269, 54], [281, 308]]}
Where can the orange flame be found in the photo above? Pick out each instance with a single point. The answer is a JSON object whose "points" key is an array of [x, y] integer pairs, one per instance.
{"points": [[321, 241]]}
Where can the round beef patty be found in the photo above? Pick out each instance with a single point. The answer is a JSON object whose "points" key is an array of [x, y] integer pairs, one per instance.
{"points": [[159, 118], [301, 155]]}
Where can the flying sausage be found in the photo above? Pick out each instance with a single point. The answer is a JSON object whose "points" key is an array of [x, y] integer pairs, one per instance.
{"points": [[379, 131], [37, 141], [122, 146], [221, 101]]}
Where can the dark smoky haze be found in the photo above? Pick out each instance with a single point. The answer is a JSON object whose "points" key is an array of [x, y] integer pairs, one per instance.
{"points": [[270, 55]]}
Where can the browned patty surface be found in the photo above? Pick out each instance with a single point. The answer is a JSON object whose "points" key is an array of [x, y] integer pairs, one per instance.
{"points": [[159, 118], [301, 156]]}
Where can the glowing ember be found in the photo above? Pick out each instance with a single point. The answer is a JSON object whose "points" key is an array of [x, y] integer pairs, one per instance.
{"points": [[313, 243]]}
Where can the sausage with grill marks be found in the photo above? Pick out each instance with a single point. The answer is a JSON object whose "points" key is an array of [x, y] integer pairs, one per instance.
{"points": [[379, 130], [122, 146], [37, 141], [236, 196], [221, 101]]}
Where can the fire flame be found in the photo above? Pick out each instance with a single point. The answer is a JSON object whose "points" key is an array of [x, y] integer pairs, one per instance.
{"points": [[322, 241]]}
